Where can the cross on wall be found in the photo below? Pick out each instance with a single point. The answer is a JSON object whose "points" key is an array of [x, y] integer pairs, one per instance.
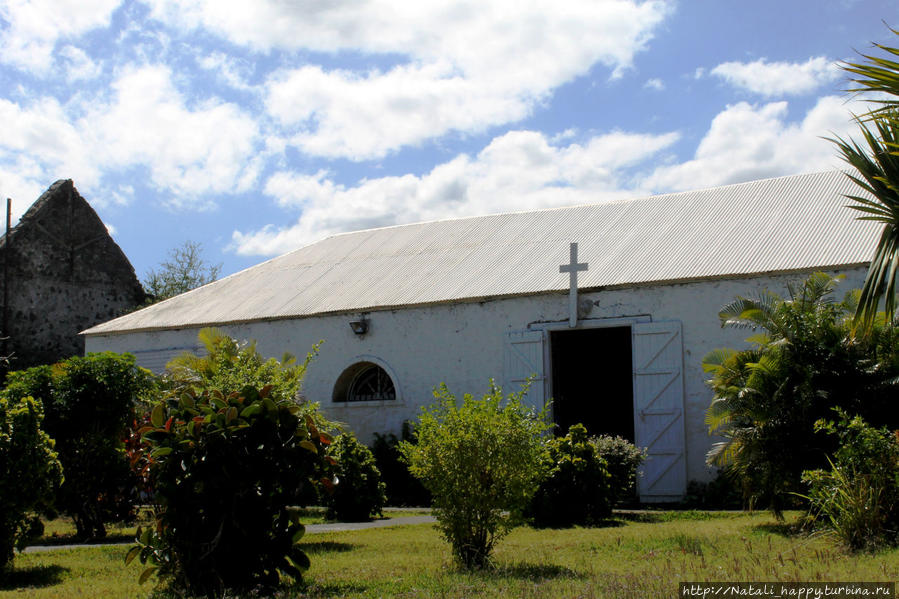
{"points": [[572, 268]]}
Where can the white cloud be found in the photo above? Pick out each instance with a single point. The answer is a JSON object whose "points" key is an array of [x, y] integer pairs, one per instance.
{"points": [[231, 70], [520, 170], [22, 180], [465, 65], [43, 133], [36, 25], [655, 83], [779, 78], [523, 170], [188, 150], [77, 64], [748, 141]]}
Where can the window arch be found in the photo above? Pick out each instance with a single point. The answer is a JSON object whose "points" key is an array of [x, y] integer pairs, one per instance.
{"points": [[364, 382]]}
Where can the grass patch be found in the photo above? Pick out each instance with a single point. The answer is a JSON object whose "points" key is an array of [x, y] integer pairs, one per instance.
{"points": [[636, 559], [61, 531]]}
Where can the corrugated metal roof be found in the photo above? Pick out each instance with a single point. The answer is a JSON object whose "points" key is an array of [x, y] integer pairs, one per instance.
{"points": [[784, 224]]}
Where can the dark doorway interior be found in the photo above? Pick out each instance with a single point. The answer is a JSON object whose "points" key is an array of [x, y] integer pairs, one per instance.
{"points": [[592, 380]]}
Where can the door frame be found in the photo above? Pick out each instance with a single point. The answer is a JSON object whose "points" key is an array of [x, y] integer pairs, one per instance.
{"points": [[587, 323]]}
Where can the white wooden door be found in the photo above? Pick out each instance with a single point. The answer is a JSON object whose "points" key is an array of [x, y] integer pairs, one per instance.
{"points": [[659, 409], [156, 359], [523, 359]]}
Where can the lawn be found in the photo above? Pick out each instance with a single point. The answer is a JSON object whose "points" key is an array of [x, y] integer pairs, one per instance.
{"points": [[643, 556], [61, 531]]}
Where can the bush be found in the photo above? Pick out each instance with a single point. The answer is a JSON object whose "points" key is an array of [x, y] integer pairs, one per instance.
{"points": [[803, 362], [228, 471], [578, 479], [359, 492], [858, 497], [232, 454], [622, 459], [401, 487], [89, 404], [720, 493], [29, 470], [481, 461], [230, 364]]}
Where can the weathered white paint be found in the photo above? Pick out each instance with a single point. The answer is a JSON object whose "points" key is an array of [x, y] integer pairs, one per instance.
{"points": [[464, 345]]}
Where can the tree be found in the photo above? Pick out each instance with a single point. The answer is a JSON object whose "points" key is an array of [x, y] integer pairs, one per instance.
{"points": [[801, 364], [89, 404], [482, 462], [29, 471], [878, 168], [185, 269]]}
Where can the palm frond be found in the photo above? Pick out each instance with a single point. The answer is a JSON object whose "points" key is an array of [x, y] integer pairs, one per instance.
{"points": [[878, 169], [715, 359], [878, 74]]}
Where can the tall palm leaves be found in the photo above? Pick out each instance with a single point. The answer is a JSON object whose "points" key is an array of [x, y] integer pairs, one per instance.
{"points": [[802, 362], [878, 167]]}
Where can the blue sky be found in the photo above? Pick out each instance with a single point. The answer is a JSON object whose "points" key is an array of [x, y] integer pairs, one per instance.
{"points": [[258, 127]]}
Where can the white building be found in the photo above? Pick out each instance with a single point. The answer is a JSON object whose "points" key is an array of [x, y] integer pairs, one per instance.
{"points": [[404, 308]]}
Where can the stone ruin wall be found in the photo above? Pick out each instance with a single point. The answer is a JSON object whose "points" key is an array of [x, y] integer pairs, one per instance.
{"points": [[65, 274]]}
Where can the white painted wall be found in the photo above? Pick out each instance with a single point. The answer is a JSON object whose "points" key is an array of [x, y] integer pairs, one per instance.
{"points": [[462, 345]]}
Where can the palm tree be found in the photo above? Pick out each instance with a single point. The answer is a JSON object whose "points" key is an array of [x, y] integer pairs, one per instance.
{"points": [[768, 396], [878, 174]]}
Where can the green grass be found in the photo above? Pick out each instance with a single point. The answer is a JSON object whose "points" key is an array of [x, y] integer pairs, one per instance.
{"points": [[631, 558], [61, 531]]}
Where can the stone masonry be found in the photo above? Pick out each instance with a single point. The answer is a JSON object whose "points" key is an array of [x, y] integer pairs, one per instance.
{"points": [[64, 274]]}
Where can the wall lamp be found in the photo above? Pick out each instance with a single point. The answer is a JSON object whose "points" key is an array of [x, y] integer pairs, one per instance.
{"points": [[360, 327]]}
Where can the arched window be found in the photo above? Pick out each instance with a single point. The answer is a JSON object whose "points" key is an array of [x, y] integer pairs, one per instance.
{"points": [[364, 381]]}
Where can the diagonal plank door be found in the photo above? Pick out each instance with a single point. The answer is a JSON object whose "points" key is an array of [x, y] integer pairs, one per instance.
{"points": [[523, 358], [659, 409]]}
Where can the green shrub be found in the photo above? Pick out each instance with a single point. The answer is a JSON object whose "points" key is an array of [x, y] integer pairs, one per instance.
{"points": [[229, 470], [803, 361], [232, 456], [359, 492], [720, 493], [858, 498], [578, 487], [29, 470], [89, 404], [231, 364], [623, 459], [481, 461], [401, 487]]}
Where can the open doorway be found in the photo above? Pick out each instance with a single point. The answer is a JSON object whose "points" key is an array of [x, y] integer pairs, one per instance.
{"points": [[592, 380]]}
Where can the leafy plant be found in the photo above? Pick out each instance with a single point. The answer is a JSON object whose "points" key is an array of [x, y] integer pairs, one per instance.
{"points": [[231, 364], [229, 469], [802, 362], [623, 459], [578, 479], [720, 493], [359, 492], [402, 489], [878, 168], [89, 403], [858, 497], [481, 461], [29, 470]]}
